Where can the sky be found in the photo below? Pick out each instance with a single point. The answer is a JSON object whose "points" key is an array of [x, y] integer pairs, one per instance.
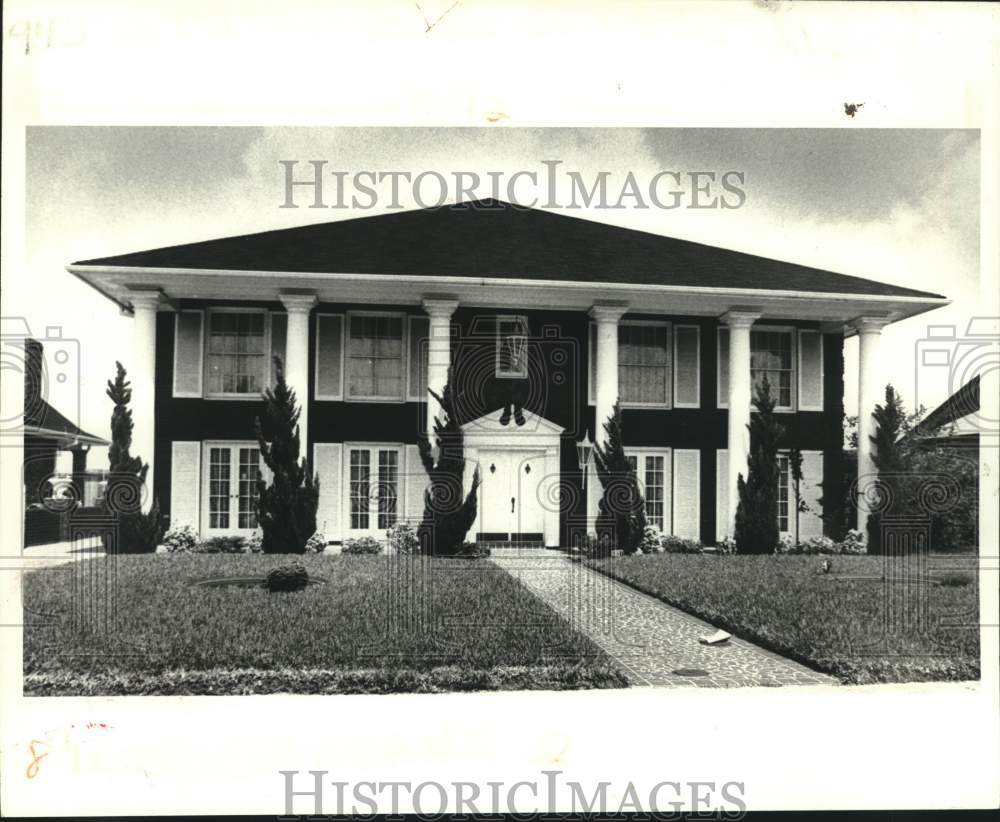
{"points": [[899, 206]]}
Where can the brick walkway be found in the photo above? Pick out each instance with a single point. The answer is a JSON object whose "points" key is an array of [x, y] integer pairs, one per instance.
{"points": [[655, 644]]}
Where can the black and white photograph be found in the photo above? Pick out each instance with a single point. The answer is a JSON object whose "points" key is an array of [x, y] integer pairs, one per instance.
{"points": [[687, 424]]}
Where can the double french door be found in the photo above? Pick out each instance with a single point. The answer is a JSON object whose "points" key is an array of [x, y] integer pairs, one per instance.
{"points": [[373, 489], [230, 488]]}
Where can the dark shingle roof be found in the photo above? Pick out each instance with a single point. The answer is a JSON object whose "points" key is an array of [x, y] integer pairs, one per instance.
{"points": [[489, 238], [963, 402], [40, 415]]}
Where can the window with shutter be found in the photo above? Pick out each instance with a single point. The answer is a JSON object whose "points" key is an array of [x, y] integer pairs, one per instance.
{"points": [[644, 364]]}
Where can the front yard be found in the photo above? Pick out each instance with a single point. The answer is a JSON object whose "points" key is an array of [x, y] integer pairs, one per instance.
{"points": [[486, 632], [847, 622]]}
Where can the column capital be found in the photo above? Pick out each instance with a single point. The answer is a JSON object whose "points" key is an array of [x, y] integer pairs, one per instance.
{"points": [[870, 323], [608, 312], [439, 308], [741, 317], [145, 298], [298, 302]]}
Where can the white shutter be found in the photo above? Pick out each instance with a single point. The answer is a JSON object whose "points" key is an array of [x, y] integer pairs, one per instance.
{"points": [[687, 493], [185, 483], [687, 377], [810, 368], [329, 357], [279, 335], [594, 494], [415, 485], [591, 363], [722, 494], [416, 374], [327, 460], [188, 347], [810, 523], [723, 367]]}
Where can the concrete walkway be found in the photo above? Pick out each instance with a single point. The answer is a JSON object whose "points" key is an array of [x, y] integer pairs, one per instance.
{"points": [[655, 644]]}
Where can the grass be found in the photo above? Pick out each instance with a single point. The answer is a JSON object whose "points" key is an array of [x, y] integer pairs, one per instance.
{"points": [[832, 622], [170, 637]]}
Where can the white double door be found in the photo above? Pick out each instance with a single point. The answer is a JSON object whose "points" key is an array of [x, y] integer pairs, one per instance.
{"points": [[511, 495], [229, 486]]}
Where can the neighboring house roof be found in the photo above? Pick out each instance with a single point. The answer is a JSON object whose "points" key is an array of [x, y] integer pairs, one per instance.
{"points": [[952, 412], [490, 238], [44, 421]]}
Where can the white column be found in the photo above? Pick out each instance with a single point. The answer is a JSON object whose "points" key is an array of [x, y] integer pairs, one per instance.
{"points": [[298, 307], [438, 353], [739, 399], [606, 315], [142, 374], [871, 388]]}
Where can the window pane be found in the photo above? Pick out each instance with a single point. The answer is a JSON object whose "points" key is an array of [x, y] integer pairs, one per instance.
{"points": [[783, 471], [771, 356], [375, 357], [643, 365], [387, 488], [235, 361], [360, 469]]}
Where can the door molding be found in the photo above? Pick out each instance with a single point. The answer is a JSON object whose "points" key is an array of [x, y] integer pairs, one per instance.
{"points": [[538, 435], [234, 446]]}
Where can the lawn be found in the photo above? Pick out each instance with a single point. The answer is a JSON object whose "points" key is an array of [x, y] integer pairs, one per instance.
{"points": [[834, 622], [486, 631]]}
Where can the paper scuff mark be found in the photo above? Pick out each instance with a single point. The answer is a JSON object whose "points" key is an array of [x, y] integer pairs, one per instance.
{"points": [[439, 18]]}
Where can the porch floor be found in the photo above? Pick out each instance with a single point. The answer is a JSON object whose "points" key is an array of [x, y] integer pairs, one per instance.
{"points": [[655, 644]]}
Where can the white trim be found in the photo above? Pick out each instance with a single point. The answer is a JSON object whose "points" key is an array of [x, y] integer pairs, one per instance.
{"points": [[640, 452], [265, 375], [591, 362], [404, 327], [345, 489], [822, 374], [511, 375], [343, 332], [410, 319], [668, 403], [518, 283], [697, 366], [201, 355]]}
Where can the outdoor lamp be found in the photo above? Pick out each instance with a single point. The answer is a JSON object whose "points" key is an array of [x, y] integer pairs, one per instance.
{"points": [[584, 448]]}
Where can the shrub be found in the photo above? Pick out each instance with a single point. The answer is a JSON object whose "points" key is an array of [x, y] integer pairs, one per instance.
{"points": [[362, 545], [402, 539], [316, 544], [756, 522], [447, 516], [652, 539], [474, 550], [292, 577], [679, 545], [286, 509], [621, 510], [854, 542], [255, 542], [181, 539], [726, 546], [222, 545], [955, 580], [137, 532], [819, 545], [786, 545], [596, 546]]}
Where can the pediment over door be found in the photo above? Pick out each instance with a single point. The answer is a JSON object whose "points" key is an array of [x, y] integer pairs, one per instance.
{"points": [[486, 431]]}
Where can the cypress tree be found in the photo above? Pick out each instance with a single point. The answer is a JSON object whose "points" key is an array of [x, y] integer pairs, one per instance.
{"points": [[447, 516], [756, 524], [621, 518], [889, 458], [137, 532], [286, 509]]}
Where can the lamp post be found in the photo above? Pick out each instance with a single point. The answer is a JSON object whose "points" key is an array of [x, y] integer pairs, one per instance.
{"points": [[584, 449]]}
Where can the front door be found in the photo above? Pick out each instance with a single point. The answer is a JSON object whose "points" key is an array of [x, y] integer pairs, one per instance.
{"points": [[510, 504], [372, 474], [230, 489]]}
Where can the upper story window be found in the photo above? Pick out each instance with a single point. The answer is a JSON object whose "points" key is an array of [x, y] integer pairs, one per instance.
{"points": [[512, 347], [643, 363], [771, 356], [235, 353], [375, 357]]}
